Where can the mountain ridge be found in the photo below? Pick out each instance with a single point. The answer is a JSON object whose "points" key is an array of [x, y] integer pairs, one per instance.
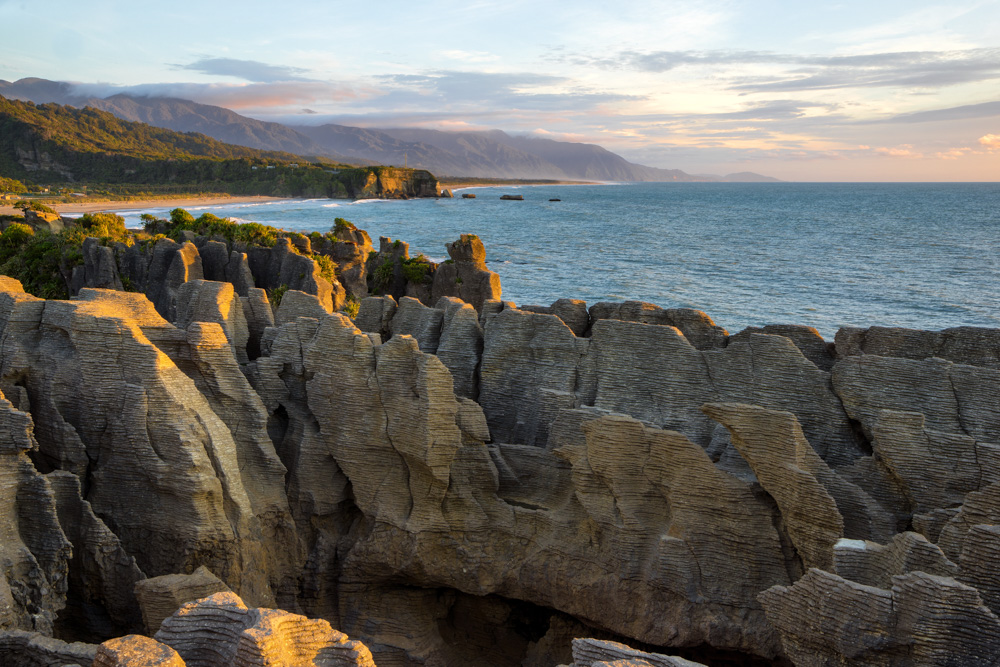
{"points": [[485, 154]]}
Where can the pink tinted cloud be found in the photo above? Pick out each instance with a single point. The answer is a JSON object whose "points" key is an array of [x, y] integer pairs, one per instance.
{"points": [[241, 96], [991, 141]]}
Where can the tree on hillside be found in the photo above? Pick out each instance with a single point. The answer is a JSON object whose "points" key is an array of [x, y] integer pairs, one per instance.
{"points": [[12, 185]]}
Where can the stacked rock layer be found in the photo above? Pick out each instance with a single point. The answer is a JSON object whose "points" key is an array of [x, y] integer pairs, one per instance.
{"points": [[468, 482]]}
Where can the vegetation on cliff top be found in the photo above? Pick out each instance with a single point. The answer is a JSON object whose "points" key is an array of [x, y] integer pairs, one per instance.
{"points": [[44, 261]]}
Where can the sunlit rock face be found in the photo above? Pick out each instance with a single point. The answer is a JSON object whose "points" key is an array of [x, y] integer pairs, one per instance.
{"points": [[473, 483]]}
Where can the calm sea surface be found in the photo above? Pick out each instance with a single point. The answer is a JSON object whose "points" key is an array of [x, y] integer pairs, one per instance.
{"points": [[825, 255]]}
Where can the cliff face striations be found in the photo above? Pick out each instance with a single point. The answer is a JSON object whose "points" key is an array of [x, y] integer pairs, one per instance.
{"points": [[454, 480]]}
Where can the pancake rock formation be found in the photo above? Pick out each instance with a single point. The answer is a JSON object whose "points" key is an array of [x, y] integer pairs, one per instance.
{"points": [[190, 476]]}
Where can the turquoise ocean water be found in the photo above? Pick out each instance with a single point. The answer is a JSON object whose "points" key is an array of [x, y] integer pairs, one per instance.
{"points": [[826, 255]]}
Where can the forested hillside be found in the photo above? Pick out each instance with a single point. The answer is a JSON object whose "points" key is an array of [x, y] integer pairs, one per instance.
{"points": [[51, 144]]}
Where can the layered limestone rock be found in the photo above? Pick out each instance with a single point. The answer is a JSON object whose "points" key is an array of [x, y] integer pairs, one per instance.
{"points": [[170, 266], [807, 339], [136, 651], [529, 371], [159, 270], [873, 564], [412, 318], [160, 597], [99, 268], [598, 653], [375, 315], [211, 301], [350, 252], [533, 365], [466, 276], [445, 484], [220, 630], [817, 505], [34, 552], [178, 485], [282, 266], [295, 304], [973, 346], [696, 326], [102, 575], [573, 313], [923, 619], [460, 346], [34, 649], [384, 423]]}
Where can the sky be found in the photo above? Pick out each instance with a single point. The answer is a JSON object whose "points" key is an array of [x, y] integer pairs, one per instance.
{"points": [[881, 90]]}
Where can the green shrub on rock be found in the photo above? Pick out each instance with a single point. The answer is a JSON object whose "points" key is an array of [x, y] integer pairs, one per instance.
{"points": [[108, 227], [13, 238], [417, 270], [41, 261], [382, 276]]}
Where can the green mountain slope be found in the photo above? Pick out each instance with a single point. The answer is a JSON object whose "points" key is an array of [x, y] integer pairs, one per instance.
{"points": [[50, 143]]}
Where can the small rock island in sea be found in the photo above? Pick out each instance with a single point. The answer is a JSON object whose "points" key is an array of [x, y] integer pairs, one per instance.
{"points": [[230, 444]]}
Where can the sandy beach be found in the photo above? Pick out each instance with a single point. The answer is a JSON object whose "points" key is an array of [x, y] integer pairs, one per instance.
{"points": [[79, 208]]}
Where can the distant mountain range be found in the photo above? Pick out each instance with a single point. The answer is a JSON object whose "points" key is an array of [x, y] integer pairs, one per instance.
{"points": [[57, 144], [489, 154]]}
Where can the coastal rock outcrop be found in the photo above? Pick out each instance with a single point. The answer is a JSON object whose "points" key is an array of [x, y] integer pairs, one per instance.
{"points": [[974, 346], [179, 485], [461, 478], [283, 266], [696, 326], [466, 275]]}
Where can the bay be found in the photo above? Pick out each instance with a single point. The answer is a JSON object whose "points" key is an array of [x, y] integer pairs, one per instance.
{"points": [[825, 255]]}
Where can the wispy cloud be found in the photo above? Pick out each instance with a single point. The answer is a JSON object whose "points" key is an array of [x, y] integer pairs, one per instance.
{"points": [[248, 70], [910, 69], [447, 90], [964, 112]]}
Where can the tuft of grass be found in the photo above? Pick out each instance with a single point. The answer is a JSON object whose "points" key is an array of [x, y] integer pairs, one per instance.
{"points": [[351, 307], [327, 267], [274, 295], [341, 225]]}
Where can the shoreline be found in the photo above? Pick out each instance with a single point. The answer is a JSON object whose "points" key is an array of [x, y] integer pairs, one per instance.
{"points": [[479, 184], [76, 209], [80, 208]]}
